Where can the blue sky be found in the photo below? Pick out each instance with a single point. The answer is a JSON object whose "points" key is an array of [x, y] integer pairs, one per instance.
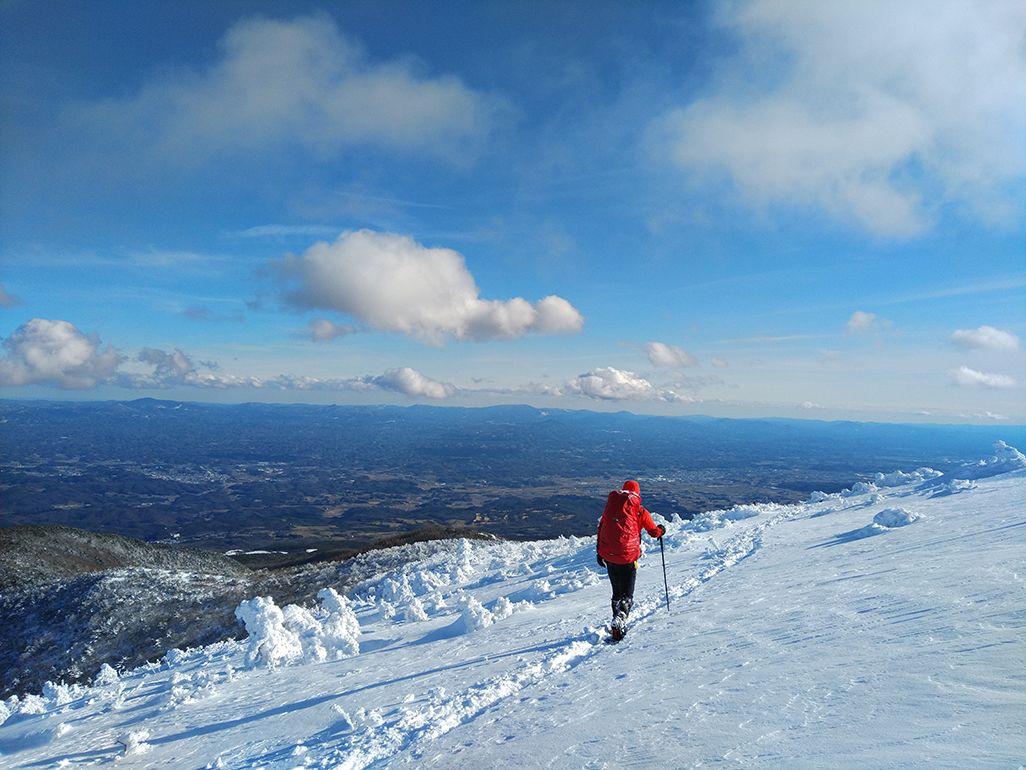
{"points": [[739, 209]]}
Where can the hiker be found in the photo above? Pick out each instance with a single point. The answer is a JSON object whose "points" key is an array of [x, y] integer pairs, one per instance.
{"points": [[619, 547]]}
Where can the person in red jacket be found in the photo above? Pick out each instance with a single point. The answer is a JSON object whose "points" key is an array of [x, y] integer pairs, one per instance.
{"points": [[619, 547]]}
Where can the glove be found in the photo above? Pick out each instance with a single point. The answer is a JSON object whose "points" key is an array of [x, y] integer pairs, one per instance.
{"points": [[600, 560], [662, 530]]}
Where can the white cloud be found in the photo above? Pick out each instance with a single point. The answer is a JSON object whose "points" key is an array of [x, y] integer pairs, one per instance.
{"points": [[53, 352], [809, 405], [294, 82], [393, 283], [323, 330], [661, 354], [8, 300], [176, 368], [862, 321], [719, 363], [871, 111], [412, 383], [970, 378], [985, 338], [609, 384]]}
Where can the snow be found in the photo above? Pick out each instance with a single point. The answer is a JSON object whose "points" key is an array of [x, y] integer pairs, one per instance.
{"points": [[791, 641], [891, 518], [293, 634], [135, 742]]}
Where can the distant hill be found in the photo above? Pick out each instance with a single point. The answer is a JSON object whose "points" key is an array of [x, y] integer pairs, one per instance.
{"points": [[36, 554]]}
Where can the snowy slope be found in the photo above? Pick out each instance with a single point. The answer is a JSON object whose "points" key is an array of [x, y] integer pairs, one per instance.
{"points": [[882, 627]]}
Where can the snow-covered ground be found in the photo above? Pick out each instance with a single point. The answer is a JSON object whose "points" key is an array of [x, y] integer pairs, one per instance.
{"points": [[882, 627]]}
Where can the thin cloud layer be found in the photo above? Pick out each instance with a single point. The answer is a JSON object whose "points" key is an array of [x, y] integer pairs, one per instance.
{"points": [[176, 368], [862, 321], [54, 352], [392, 283], [661, 354], [323, 330], [8, 300], [870, 111], [985, 338], [293, 82]]}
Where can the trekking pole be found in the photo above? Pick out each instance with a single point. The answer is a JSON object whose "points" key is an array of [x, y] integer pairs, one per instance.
{"points": [[666, 585]]}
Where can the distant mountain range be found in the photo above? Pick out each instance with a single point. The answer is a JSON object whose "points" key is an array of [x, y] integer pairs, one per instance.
{"points": [[298, 477]]}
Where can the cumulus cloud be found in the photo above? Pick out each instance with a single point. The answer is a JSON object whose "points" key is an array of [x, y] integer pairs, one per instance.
{"points": [[862, 321], [8, 300], [297, 82], [393, 283], [412, 383], [661, 354], [871, 111], [971, 378], [54, 352], [985, 338], [609, 384], [719, 363], [323, 330]]}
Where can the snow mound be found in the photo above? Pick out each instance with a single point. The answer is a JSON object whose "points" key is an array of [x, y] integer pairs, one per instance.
{"points": [[896, 517], [475, 615], [280, 636], [134, 742], [860, 488], [883, 522], [954, 486], [901, 478], [710, 520], [107, 675], [1006, 459]]}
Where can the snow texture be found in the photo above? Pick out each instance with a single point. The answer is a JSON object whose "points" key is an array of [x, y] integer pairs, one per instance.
{"points": [[823, 634]]}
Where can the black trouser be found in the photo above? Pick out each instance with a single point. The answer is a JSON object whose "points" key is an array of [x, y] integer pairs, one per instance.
{"points": [[622, 577]]}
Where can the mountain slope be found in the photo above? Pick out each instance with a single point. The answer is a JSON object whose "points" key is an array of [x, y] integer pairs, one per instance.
{"points": [[881, 627], [34, 554]]}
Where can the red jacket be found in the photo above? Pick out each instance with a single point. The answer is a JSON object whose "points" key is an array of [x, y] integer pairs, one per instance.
{"points": [[619, 530]]}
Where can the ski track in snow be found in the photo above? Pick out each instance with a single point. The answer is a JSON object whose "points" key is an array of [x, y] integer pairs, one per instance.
{"points": [[414, 727]]}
